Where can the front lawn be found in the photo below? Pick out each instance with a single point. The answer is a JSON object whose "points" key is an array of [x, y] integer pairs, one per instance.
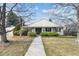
{"points": [[61, 46], [17, 47]]}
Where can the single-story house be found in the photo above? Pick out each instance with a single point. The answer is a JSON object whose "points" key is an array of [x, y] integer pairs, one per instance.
{"points": [[45, 26]]}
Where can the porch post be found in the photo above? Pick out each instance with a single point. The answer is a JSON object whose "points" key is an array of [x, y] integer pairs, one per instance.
{"points": [[43, 29], [33, 30], [52, 29], [57, 29], [61, 32]]}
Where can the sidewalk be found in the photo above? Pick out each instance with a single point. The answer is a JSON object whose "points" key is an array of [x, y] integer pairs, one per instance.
{"points": [[36, 48]]}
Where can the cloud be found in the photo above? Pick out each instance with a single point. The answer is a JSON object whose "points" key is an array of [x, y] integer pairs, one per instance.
{"points": [[51, 11], [44, 11], [59, 11], [36, 8]]}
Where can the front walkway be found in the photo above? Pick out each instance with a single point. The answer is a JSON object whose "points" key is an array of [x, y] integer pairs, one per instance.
{"points": [[36, 48]]}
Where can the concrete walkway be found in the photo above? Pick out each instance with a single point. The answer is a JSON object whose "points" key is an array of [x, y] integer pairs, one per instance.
{"points": [[36, 48]]}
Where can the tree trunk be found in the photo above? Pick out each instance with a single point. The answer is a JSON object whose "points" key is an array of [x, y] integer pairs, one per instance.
{"points": [[3, 29], [77, 33], [21, 27], [77, 25], [77, 38]]}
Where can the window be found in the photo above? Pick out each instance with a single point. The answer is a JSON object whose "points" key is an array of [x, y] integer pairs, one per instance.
{"points": [[59, 29], [55, 29], [48, 29]]}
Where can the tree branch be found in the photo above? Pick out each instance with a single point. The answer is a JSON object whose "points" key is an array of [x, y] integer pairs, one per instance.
{"points": [[13, 7]]}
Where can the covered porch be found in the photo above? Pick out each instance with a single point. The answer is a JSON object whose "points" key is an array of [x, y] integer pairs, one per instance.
{"points": [[38, 30]]}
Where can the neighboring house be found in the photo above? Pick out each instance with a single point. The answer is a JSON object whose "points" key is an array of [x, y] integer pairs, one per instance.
{"points": [[45, 26], [10, 32]]}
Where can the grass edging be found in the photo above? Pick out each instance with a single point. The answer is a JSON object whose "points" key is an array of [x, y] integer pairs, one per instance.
{"points": [[43, 46]]}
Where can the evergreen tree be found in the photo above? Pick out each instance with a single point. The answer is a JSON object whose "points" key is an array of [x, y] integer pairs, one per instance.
{"points": [[12, 19]]}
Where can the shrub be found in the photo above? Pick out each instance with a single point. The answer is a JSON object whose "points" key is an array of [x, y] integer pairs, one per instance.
{"points": [[53, 34], [17, 28], [73, 33], [32, 34], [24, 31], [16, 31], [49, 34], [43, 34], [70, 33]]}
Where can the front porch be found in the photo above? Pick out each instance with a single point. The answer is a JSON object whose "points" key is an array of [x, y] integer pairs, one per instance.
{"points": [[38, 30]]}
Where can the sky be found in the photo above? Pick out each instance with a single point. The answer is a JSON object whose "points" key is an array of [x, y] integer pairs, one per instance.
{"points": [[40, 8], [44, 10]]}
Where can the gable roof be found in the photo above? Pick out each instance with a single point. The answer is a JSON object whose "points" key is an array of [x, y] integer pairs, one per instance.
{"points": [[44, 23]]}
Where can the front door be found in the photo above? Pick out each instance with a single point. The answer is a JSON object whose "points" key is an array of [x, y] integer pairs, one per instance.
{"points": [[38, 30]]}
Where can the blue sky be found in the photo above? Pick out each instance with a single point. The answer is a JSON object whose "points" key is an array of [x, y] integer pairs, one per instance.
{"points": [[40, 7], [46, 10]]}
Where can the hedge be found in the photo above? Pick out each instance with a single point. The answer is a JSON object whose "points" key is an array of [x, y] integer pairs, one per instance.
{"points": [[49, 34], [32, 34]]}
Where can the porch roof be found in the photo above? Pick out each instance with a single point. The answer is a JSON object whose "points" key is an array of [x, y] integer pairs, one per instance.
{"points": [[44, 23]]}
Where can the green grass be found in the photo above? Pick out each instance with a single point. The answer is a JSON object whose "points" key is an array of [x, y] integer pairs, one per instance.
{"points": [[17, 47], [61, 46]]}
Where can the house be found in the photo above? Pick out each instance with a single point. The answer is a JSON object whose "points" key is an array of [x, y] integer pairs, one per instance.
{"points": [[9, 30], [45, 26]]}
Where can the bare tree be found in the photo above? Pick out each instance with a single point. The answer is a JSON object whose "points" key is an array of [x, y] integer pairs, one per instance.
{"points": [[25, 12], [66, 19], [2, 23], [3, 16], [76, 7], [77, 15], [3, 30]]}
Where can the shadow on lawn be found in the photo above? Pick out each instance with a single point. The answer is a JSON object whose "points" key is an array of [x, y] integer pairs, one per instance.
{"points": [[16, 47]]}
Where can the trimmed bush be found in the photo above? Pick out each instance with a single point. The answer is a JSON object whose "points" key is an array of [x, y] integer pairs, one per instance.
{"points": [[32, 34], [49, 34], [43, 34]]}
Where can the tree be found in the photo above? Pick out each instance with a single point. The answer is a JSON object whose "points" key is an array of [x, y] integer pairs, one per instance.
{"points": [[12, 19], [10, 15], [70, 30], [25, 12], [76, 7], [21, 21], [66, 19], [2, 23], [77, 15], [3, 30]]}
